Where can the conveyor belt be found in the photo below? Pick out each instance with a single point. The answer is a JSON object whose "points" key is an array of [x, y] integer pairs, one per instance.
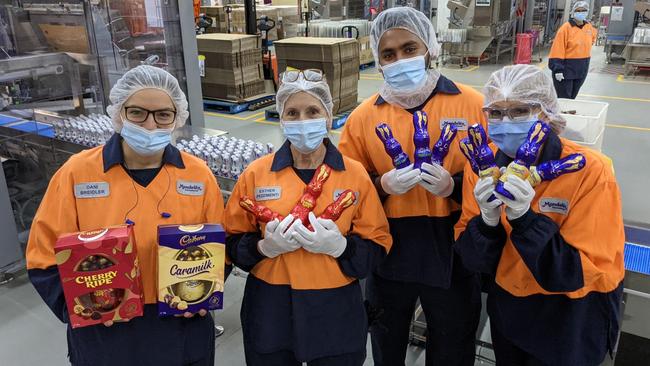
{"points": [[637, 258]]}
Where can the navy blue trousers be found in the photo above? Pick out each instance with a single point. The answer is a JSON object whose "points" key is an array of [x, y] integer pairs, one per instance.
{"points": [[568, 88], [287, 358], [452, 319], [144, 341]]}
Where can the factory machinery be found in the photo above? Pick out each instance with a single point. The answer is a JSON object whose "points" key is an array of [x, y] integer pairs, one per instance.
{"points": [[58, 62]]}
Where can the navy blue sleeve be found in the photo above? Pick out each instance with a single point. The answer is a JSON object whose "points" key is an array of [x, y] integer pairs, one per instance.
{"points": [[242, 250], [48, 284], [360, 257], [480, 246], [457, 193], [554, 263], [556, 65]]}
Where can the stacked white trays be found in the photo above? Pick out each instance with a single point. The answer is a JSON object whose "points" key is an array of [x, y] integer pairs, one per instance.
{"points": [[587, 126]]}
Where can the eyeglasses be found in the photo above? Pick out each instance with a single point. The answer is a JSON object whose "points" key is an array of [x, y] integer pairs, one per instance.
{"points": [[516, 114], [313, 75], [163, 117]]}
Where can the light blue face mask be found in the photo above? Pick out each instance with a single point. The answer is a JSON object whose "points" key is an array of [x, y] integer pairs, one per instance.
{"points": [[305, 135], [581, 15], [143, 141], [508, 136], [405, 74]]}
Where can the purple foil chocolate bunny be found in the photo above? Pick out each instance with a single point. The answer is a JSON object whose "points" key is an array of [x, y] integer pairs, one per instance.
{"points": [[421, 139], [467, 149], [483, 155], [526, 156], [555, 168], [441, 148], [392, 146]]}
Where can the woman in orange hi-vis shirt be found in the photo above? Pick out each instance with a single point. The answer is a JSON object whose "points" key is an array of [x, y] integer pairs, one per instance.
{"points": [[571, 52], [138, 170], [555, 251], [303, 301]]}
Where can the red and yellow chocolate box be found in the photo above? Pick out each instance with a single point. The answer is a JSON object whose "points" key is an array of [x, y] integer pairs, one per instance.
{"points": [[100, 275]]}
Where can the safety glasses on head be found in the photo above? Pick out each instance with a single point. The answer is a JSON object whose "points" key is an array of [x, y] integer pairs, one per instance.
{"points": [[520, 113], [163, 117], [313, 75]]}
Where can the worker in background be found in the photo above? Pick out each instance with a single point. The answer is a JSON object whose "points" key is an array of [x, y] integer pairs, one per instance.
{"points": [[303, 301], [139, 169], [555, 251], [422, 205], [571, 52]]}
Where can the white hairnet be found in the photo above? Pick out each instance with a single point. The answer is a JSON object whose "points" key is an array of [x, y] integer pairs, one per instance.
{"points": [[579, 4], [318, 89], [526, 84], [146, 77], [406, 18]]}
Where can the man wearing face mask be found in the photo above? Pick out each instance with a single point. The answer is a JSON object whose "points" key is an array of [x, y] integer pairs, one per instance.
{"points": [[303, 301], [422, 205], [554, 252], [571, 52], [136, 177]]}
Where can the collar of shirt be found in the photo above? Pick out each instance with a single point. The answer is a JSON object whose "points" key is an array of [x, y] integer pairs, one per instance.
{"points": [[444, 86], [284, 159], [113, 155], [574, 24], [552, 151]]}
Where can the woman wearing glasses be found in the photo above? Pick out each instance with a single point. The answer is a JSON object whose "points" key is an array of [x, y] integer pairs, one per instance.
{"points": [[136, 177], [302, 301], [555, 251]]}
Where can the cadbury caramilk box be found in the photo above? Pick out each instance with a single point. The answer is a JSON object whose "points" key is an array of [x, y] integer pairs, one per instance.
{"points": [[191, 262], [100, 275]]}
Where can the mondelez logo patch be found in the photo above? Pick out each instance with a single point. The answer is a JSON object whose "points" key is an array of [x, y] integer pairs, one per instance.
{"points": [[554, 205]]}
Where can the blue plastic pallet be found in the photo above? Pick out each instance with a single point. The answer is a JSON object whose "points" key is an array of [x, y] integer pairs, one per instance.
{"points": [[337, 122], [234, 107], [366, 66]]}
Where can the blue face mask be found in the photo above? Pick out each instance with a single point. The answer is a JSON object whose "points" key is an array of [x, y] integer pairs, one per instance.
{"points": [[405, 74], [581, 16], [305, 135], [508, 136], [143, 141]]}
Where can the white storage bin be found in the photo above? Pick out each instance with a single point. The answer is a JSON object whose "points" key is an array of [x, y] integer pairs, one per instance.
{"points": [[587, 126]]}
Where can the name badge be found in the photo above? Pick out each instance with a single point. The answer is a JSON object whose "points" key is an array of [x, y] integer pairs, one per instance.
{"points": [[461, 124], [92, 190], [267, 193], [190, 188], [554, 205], [338, 192]]}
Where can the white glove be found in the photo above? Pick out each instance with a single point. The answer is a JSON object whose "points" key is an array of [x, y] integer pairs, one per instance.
{"points": [[277, 238], [523, 193], [559, 76], [400, 181], [436, 180], [490, 211], [325, 239]]}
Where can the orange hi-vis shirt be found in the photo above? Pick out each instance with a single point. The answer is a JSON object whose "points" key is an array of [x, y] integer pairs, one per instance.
{"points": [[571, 50], [586, 206], [66, 208], [360, 142], [421, 223], [280, 191]]}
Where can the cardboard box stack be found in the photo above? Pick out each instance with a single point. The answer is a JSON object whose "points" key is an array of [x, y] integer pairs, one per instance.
{"points": [[289, 15], [359, 28], [231, 66], [338, 58]]}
